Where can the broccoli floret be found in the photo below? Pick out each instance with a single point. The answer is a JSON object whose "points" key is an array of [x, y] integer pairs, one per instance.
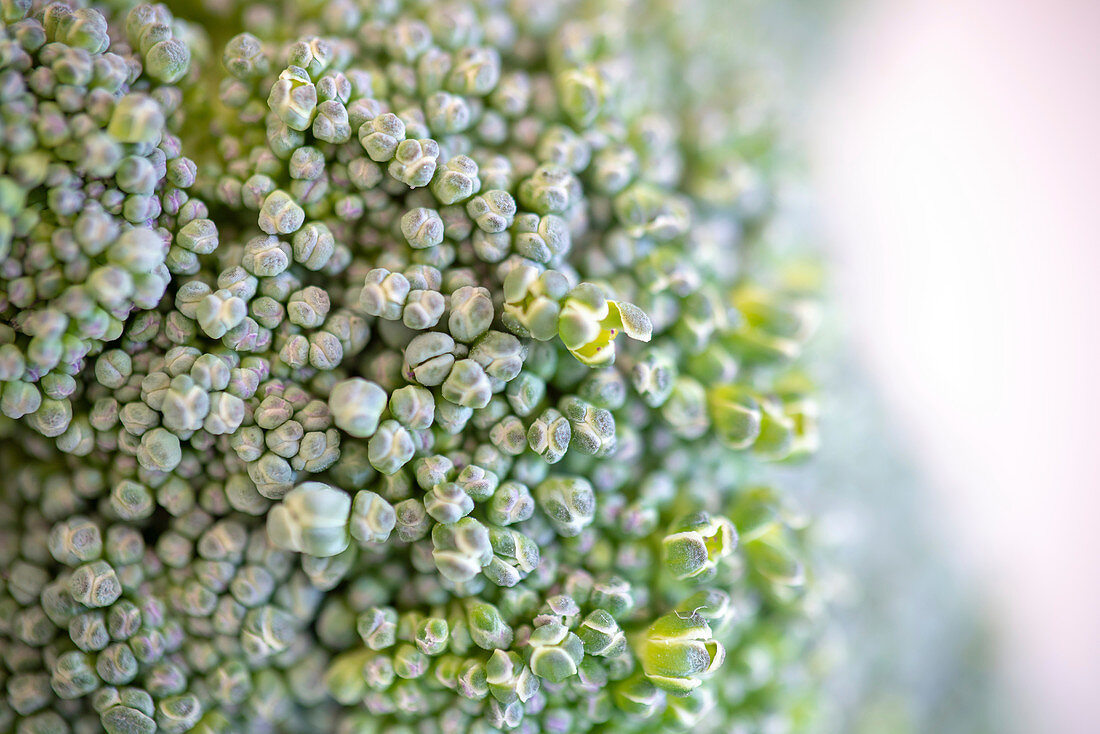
{"points": [[375, 375]]}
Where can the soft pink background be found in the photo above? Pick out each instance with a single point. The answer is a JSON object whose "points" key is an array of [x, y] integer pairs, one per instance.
{"points": [[957, 158]]}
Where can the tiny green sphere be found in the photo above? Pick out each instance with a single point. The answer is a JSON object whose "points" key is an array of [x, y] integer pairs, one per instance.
{"points": [[313, 519], [132, 501], [177, 714], [126, 720], [113, 368], [422, 228], [160, 450], [735, 414], [52, 417], [137, 118], [467, 385], [95, 584], [168, 60], [357, 405], [280, 214]]}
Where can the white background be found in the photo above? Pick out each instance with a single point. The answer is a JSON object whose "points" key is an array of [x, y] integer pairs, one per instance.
{"points": [[957, 158]]}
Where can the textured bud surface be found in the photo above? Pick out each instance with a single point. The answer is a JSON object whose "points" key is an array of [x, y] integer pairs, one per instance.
{"points": [[395, 366]]}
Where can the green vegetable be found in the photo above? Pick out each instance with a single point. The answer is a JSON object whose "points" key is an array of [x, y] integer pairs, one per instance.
{"points": [[389, 366]]}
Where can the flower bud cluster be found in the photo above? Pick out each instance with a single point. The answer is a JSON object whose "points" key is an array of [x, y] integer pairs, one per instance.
{"points": [[365, 372]]}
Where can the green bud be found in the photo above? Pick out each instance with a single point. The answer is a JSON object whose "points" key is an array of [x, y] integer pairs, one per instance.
{"points": [[456, 180], [696, 544], [514, 556], [429, 358], [511, 503], [677, 651], [478, 482], [382, 137], [390, 447], [532, 301], [384, 294], [476, 70], [280, 214], [582, 93], [509, 679], [555, 652], [414, 162], [331, 123], [471, 313], [73, 675], [451, 418], [432, 635], [95, 584], [589, 324], [357, 405], [344, 679], [501, 355], [638, 696], [413, 407], [549, 435], [471, 680], [126, 720], [88, 631], [136, 119], [777, 438], [293, 98], [487, 628], [116, 664], [267, 630], [308, 307], [493, 211], [542, 239], [74, 541], [462, 549], [601, 634], [409, 663], [593, 429], [132, 501], [160, 450], [423, 309], [549, 190], [372, 518], [422, 228], [467, 385], [177, 714], [447, 502], [686, 409], [413, 522], [378, 627], [243, 57], [568, 503], [312, 519], [735, 414]]}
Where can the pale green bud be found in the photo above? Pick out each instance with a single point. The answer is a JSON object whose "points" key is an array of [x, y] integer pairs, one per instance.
{"points": [[462, 548], [568, 503], [555, 652], [391, 447], [356, 406], [677, 651], [312, 519], [549, 435], [372, 518], [293, 98], [467, 385], [422, 228]]}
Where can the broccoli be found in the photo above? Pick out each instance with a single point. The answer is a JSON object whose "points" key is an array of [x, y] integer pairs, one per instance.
{"points": [[385, 366]]}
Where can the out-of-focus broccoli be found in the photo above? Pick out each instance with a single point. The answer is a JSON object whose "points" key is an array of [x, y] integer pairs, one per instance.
{"points": [[381, 366]]}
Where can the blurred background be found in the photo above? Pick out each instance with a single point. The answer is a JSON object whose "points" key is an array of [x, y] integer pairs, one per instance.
{"points": [[954, 166]]}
